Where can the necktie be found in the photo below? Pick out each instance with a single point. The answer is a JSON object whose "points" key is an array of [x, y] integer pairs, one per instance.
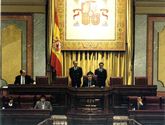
{"points": [[89, 83]]}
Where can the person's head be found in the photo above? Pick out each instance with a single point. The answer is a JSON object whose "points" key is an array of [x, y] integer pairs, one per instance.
{"points": [[11, 100], [42, 98], [139, 99], [22, 72], [90, 75], [75, 63], [101, 64]]}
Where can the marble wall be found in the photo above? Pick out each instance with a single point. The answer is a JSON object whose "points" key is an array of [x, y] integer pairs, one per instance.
{"points": [[39, 45], [140, 45], [141, 48]]}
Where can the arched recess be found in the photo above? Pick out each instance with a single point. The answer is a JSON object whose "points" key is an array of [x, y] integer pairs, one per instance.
{"points": [[11, 51], [153, 37], [161, 55], [26, 48]]}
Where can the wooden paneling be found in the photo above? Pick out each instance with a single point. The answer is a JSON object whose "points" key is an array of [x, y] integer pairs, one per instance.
{"points": [[23, 116]]}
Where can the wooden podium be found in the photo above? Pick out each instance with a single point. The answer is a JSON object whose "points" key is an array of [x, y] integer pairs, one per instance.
{"points": [[89, 106]]}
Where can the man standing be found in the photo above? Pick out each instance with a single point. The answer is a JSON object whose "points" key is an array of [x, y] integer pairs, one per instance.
{"points": [[23, 78], [75, 73], [101, 74]]}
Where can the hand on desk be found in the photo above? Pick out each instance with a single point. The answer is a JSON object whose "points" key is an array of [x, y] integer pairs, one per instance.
{"points": [[92, 86]]}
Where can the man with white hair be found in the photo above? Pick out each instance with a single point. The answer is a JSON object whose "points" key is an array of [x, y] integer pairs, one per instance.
{"points": [[23, 78], [75, 74]]}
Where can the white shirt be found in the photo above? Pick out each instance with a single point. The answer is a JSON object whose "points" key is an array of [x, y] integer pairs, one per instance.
{"points": [[75, 68], [100, 69], [22, 80], [43, 105]]}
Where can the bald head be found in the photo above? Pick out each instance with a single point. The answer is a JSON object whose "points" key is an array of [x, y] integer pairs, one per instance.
{"points": [[23, 72]]}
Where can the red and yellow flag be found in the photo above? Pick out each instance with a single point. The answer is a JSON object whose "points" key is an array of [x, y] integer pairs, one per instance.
{"points": [[56, 58]]}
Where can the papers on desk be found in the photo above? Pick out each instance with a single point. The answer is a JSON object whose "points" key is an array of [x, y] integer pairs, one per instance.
{"points": [[4, 86]]}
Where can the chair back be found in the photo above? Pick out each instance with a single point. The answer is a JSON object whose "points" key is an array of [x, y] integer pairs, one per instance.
{"points": [[152, 102], [141, 81], [116, 81], [41, 80], [61, 80]]}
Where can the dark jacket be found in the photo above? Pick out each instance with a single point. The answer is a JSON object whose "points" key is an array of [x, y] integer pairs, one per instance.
{"points": [[86, 82], [101, 77], [10, 106], [138, 107], [13, 106], [75, 76], [28, 80]]}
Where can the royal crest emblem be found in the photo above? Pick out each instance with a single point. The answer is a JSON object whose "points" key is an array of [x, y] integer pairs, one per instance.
{"points": [[57, 45]]}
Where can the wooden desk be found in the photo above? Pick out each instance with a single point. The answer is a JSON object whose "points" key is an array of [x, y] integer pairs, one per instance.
{"points": [[127, 90], [120, 93], [89, 106], [148, 117], [36, 89], [113, 96], [58, 92], [119, 96], [23, 117], [75, 94]]}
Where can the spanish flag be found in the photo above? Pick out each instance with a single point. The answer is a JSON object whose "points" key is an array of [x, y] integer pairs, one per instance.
{"points": [[56, 58]]}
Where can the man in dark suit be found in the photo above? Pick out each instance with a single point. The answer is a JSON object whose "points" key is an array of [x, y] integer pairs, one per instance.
{"points": [[23, 78], [89, 81], [139, 105], [101, 74], [75, 73]]}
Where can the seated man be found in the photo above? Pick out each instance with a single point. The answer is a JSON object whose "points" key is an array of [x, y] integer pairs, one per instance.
{"points": [[23, 78], [90, 81], [43, 104], [139, 104]]}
